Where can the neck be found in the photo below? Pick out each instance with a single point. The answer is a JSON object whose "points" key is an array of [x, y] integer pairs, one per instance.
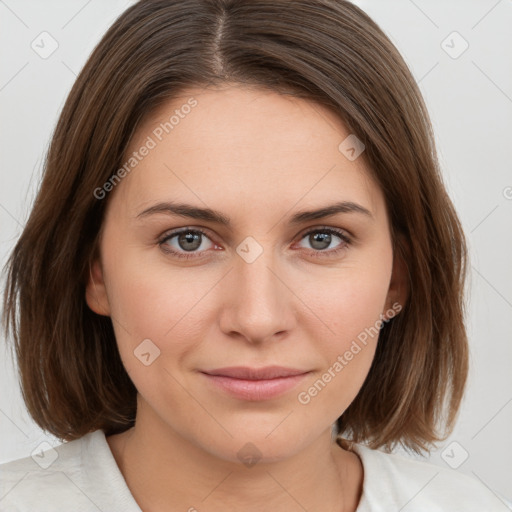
{"points": [[166, 472]]}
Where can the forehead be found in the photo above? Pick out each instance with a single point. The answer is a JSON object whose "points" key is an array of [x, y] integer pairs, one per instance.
{"points": [[243, 146]]}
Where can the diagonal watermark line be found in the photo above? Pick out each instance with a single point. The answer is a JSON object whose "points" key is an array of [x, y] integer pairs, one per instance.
{"points": [[492, 211], [406, 503], [428, 72], [19, 481], [165, 165], [301, 198], [286, 491], [485, 15], [14, 76], [192, 307], [114, 319], [217, 486], [501, 408], [507, 509], [199, 403], [301, 300], [282, 421], [328, 121], [85, 494], [3, 3], [493, 287], [69, 68], [10, 215], [12, 421], [424, 13], [76, 14], [492, 81]]}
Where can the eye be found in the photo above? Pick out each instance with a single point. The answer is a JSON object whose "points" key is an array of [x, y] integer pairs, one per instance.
{"points": [[321, 240], [192, 242], [186, 243]]}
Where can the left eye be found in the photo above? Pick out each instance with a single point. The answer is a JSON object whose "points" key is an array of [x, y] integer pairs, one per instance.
{"points": [[321, 239]]}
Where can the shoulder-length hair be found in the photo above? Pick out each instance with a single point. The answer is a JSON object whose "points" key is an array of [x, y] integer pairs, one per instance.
{"points": [[327, 51]]}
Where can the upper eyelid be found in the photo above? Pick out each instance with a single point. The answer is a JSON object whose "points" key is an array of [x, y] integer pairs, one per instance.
{"points": [[169, 234]]}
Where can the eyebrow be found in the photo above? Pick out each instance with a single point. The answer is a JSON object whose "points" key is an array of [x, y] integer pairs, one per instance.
{"points": [[207, 214]]}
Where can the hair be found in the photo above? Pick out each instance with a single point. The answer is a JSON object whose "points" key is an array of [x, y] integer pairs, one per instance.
{"points": [[326, 51]]}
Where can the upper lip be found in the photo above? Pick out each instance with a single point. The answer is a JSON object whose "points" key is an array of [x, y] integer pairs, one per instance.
{"points": [[247, 373]]}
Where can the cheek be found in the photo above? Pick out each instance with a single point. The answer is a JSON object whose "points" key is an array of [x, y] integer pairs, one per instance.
{"points": [[169, 306], [348, 300], [349, 306]]}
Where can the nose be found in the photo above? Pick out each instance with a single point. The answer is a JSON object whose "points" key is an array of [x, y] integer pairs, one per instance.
{"points": [[258, 305]]}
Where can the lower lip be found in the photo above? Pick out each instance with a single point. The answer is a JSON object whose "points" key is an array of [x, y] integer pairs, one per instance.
{"points": [[255, 390]]}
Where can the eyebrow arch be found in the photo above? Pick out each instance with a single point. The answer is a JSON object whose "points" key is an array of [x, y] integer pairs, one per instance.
{"points": [[207, 214], [328, 211]]}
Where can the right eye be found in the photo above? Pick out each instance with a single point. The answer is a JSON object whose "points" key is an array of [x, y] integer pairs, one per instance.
{"points": [[186, 243]]}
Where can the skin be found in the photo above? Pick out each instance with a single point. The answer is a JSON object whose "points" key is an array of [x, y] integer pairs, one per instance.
{"points": [[258, 157]]}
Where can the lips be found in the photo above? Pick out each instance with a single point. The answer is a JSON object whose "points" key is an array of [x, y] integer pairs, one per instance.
{"points": [[255, 384], [246, 373]]}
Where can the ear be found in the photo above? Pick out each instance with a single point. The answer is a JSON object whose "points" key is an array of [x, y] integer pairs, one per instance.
{"points": [[398, 291], [95, 290]]}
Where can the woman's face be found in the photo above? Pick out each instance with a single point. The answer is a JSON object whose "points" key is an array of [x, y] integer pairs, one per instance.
{"points": [[253, 281]]}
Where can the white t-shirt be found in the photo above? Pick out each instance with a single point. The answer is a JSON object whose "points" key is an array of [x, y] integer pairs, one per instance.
{"points": [[82, 476]]}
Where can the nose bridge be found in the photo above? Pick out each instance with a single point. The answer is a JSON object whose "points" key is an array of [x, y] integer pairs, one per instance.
{"points": [[259, 303]]}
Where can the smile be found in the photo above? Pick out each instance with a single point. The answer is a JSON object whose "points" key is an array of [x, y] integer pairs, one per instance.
{"points": [[255, 384]]}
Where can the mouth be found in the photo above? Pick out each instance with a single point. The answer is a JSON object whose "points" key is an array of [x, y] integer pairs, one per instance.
{"points": [[255, 384]]}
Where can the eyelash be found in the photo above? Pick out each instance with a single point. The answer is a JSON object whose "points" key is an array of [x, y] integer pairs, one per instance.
{"points": [[346, 241]]}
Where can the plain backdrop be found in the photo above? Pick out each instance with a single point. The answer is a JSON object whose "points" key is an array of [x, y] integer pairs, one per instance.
{"points": [[460, 52]]}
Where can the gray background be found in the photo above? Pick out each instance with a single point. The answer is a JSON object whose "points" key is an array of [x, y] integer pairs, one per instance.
{"points": [[469, 96]]}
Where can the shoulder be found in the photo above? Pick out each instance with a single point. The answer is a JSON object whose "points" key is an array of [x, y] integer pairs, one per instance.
{"points": [[395, 482], [23, 480], [80, 474]]}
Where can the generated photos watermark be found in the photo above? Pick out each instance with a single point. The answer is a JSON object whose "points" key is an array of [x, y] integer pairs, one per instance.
{"points": [[157, 135], [305, 397]]}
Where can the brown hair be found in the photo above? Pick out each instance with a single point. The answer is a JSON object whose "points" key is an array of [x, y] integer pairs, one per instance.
{"points": [[328, 51]]}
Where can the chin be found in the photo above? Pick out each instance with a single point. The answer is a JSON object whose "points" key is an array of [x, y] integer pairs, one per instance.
{"points": [[256, 444]]}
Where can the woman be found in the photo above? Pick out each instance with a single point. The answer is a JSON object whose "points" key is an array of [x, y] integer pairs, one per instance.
{"points": [[242, 274]]}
